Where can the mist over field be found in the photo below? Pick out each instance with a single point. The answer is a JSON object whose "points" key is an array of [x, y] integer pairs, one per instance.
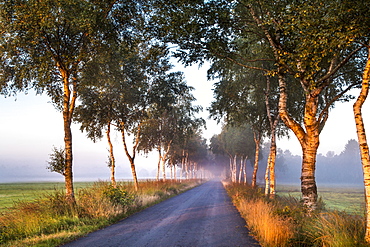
{"points": [[343, 168]]}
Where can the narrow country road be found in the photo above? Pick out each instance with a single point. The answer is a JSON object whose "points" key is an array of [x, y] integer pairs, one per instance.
{"points": [[203, 216]]}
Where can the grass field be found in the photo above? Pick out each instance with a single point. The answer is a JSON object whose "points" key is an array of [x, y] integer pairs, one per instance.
{"points": [[43, 216], [14, 192], [350, 199]]}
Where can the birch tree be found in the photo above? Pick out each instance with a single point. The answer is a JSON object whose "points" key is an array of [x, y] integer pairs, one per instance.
{"points": [[355, 17], [170, 116], [236, 142], [46, 44], [304, 41]]}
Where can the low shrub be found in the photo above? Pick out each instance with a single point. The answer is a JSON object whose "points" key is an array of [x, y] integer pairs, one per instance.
{"points": [[118, 196]]}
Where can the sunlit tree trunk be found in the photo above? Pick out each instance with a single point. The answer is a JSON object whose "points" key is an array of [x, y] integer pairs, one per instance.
{"points": [[257, 141], [183, 160], [187, 165], [272, 161], [310, 145], [245, 170], [270, 169], [159, 163], [234, 169], [163, 166], [112, 159], [131, 158], [309, 141], [174, 171], [362, 141], [267, 178], [195, 170], [164, 158], [68, 108], [240, 170]]}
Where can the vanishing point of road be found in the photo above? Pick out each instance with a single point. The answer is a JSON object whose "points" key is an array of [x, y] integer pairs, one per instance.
{"points": [[202, 216]]}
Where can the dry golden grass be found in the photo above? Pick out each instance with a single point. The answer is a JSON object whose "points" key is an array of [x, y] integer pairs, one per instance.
{"points": [[285, 222], [269, 228]]}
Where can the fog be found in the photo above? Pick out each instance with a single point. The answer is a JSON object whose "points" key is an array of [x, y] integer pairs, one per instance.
{"points": [[344, 168]]}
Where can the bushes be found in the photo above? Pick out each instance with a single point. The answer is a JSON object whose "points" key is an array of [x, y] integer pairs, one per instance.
{"points": [[284, 221]]}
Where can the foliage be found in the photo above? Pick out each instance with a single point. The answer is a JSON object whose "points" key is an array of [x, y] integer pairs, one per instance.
{"points": [[305, 40], [171, 114], [118, 196], [234, 141], [57, 161], [47, 46]]}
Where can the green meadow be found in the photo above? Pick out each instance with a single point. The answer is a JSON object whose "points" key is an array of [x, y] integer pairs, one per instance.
{"points": [[11, 193], [350, 199]]}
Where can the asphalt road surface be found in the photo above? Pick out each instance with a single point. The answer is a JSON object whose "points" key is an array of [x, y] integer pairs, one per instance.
{"points": [[203, 216]]}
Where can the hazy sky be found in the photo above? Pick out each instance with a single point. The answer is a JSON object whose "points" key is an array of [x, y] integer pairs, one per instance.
{"points": [[30, 127]]}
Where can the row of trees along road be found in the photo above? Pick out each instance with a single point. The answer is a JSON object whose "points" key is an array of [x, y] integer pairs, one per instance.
{"points": [[313, 50], [101, 67], [321, 46]]}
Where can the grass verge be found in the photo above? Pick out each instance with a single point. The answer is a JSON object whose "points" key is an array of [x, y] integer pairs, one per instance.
{"points": [[51, 221], [284, 221]]}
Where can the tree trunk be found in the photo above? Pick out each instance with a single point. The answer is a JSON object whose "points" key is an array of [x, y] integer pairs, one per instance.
{"points": [[131, 158], [187, 165], [267, 178], [309, 142], [240, 170], [245, 170], [68, 174], [310, 145], [270, 169], [112, 159], [163, 165], [182, 164], [257, 140], [272, 161], [164, 158], [231, 167], [362, 141], [234, 169], [68, 108], [174, 171], [159, 162]]}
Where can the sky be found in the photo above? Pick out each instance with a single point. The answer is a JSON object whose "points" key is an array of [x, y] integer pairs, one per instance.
{"points": [[30, 126]]}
